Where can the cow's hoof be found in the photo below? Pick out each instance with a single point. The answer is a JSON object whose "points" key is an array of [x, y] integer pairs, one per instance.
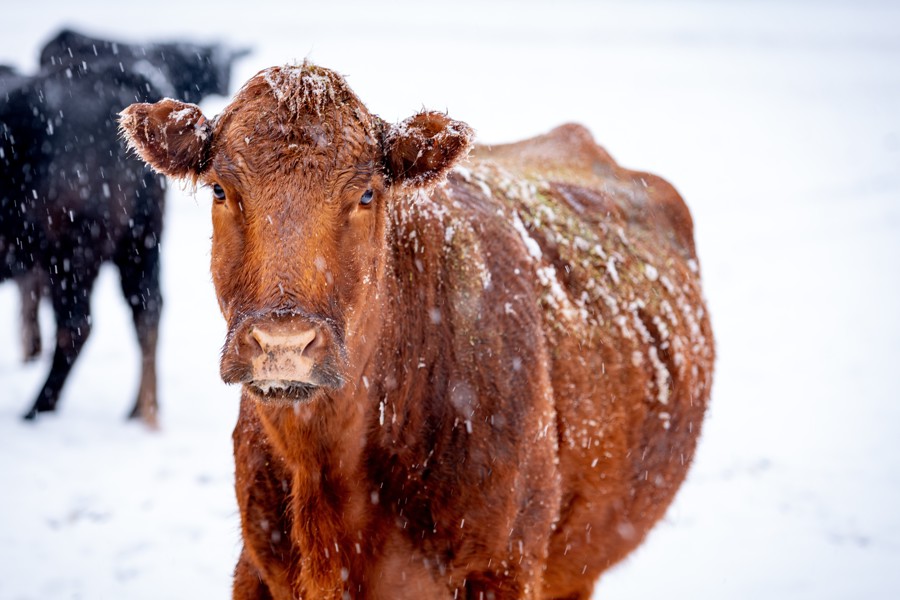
{"points": [[135, 412], [31, 347], [31, 355], [151, 422], [38, 407], [147, 416]]}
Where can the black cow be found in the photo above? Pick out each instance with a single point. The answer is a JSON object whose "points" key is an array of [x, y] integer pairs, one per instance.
{"points": [[29, 284], [177, 69], [71, 198], [9, 78]]}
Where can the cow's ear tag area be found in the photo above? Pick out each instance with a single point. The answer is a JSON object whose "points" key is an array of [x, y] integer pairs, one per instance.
{"points": [[422, 149], [172, 137]]}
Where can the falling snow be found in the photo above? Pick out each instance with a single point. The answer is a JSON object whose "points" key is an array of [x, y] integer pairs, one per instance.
{"points": [[794, 267]]}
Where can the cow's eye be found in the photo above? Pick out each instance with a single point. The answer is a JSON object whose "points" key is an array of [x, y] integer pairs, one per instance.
{"points": [[218, 192], [366, 198]]}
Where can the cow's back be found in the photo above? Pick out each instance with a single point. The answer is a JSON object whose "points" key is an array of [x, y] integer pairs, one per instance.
{"points": [[568, 155], [609, 255]]}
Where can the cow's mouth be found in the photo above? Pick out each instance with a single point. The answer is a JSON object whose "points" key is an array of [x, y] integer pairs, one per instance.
{"points": [[291, 391]]}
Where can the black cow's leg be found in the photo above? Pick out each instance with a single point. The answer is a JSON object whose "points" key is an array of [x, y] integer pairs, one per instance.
{"points": [[29, 285], [139, 270], [70, 290]]}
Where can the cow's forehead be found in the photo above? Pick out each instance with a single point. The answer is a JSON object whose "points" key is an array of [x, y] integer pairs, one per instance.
{"points": [[306, 88], [303, 106]]}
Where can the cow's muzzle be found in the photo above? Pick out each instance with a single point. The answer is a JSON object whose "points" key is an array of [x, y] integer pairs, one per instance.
{"points": [[283, 356]]}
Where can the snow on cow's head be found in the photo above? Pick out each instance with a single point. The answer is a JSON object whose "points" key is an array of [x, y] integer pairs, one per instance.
{"points": [[176, 139]]}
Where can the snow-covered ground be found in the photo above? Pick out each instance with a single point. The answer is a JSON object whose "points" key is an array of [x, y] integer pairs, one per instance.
{"points": [[780, 124]]}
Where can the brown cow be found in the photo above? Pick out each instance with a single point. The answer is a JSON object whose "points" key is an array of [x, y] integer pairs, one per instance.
{"points": [[480, 381]]}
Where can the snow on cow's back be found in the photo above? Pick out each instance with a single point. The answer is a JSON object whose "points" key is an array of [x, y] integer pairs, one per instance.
{"points": [[569, 156]]}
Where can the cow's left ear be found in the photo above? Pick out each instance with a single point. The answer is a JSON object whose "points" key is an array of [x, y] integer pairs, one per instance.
{"points": [[422, 149], [172, 137]]}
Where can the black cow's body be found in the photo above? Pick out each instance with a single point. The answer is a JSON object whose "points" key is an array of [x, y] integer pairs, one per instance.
{"points": [[182, 70], [71, 198]]}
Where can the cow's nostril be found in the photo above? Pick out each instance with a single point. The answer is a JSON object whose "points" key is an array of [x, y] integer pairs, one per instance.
{"points": [[307, 341], [252, 341], [314, 342]]}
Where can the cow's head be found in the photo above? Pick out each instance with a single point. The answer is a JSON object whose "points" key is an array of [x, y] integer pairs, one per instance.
{"points": [[302, 178]]}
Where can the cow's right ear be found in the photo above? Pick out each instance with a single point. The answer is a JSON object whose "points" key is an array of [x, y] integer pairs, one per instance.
{"points": [[421, 150], [171, 136]]}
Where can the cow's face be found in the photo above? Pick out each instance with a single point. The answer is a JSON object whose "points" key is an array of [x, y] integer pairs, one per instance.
{"points": [[302, 178]]}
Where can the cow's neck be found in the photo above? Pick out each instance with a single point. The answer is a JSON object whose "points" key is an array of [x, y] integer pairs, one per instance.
{"points": [[322, 447], [324, 443]]}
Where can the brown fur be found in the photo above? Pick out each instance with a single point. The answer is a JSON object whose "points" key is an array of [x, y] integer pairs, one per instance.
{"points": [[173, 136], [515, 356]]}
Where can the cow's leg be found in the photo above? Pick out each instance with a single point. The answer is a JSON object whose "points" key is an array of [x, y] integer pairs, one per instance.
{"points": [[140, 286], [518, 584], [585, 595], [138, 260], [29, 285], [70, 290], [248, 583]]}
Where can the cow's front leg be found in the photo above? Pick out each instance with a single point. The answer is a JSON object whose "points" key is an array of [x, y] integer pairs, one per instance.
{"points": [[30, 291], [248, 581], [508, 585], [138, 260], [70, 291]]}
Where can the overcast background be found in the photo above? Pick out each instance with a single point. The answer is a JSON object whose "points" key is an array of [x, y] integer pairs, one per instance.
{"points": [[779, 122]]}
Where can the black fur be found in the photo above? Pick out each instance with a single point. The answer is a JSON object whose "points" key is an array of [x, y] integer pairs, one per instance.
{"points": [[72, 198]]}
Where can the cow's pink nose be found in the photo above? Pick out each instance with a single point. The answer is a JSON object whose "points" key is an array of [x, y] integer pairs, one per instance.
{"points": [[283, 354]]}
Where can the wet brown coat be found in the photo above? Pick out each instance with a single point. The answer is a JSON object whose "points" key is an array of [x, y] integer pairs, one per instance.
{"points": [[514, 356]]}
